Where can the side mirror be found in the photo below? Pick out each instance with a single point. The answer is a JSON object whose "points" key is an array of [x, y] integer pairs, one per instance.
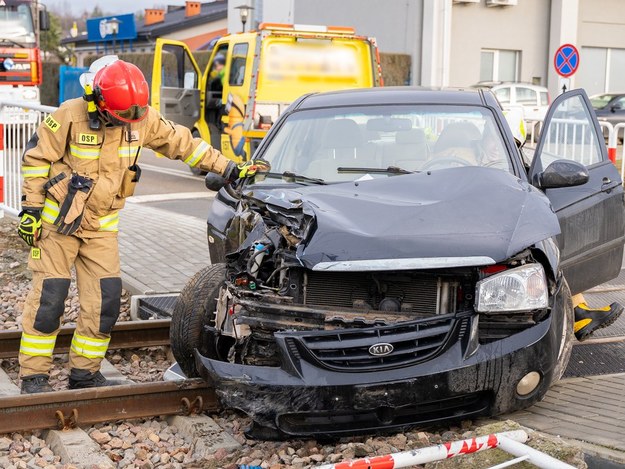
{"points": [[562, 173], [44, 20], [616, 107], [214, 182]]}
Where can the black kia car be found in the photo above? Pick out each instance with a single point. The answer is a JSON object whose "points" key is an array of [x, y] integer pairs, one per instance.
{"points": [[400, 263]]}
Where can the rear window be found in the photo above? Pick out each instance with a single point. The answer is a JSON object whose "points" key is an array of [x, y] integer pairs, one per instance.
{"points": [[526, 96], [503, 95]]}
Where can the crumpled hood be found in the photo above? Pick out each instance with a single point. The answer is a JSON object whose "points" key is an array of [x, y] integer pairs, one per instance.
{"points": [[458, 212]]}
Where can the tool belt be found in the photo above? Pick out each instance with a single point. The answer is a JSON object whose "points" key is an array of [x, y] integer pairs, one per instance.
{"points": [[72, 194]]}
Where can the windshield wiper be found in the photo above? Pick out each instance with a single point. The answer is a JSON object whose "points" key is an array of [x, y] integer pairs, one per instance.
{"points": [[292, 175], [387, 170], [11, 41]]}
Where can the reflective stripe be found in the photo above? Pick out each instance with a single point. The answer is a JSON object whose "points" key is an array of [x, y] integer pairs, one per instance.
{"points": [[35, 171], [84, 153], [195, 157], [127, 152], [50, 211], [109, 222], [89, 347], [37, 345]]}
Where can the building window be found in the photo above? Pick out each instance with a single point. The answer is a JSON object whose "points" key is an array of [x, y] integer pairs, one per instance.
{"points": [[603, 70], [499, 65]]}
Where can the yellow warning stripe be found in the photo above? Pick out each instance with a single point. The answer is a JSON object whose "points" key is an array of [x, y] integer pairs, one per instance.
{"points": [[195, 157]]}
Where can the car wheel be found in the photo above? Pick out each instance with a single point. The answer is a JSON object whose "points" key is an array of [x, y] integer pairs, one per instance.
{"points": [[195, 170], [566, 332], [193, 311]]}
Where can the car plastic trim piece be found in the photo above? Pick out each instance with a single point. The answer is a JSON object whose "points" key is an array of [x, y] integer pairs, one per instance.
{"points": [[366, 265]]}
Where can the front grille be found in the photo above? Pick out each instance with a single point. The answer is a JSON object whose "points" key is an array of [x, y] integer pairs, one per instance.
{"points": [[348, 349], [346, 289], [462, 407]]}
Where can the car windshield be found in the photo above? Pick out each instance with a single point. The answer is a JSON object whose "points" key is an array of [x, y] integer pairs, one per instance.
{"points": [[16, 24], [600, 101], [346, 144]]}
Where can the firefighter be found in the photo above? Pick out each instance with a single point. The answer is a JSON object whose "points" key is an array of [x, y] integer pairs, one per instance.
{"points": [[78, 168]]}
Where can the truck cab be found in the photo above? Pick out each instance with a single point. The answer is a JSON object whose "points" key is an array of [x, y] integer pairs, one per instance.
{"points": [[251, 78]]}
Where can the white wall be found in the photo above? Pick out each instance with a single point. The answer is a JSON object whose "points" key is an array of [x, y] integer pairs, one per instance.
{"points": [[524, 27]]}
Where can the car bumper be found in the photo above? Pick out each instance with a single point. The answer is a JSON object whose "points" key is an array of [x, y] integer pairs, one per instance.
{"points": [[302, 398]]}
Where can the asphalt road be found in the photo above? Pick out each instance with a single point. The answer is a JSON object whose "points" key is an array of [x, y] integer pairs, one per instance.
{"points": [[169, 185]]}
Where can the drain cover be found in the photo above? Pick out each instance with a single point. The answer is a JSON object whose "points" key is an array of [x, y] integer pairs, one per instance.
{"points": [[596, 359], [156, 307]]}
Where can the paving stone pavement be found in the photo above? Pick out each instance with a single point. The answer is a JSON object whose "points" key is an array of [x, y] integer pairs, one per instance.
{"points": [[160, 250]]}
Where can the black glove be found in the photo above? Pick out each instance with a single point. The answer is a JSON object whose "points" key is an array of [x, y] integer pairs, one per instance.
{"points": [[244, 170], [29, 228]]}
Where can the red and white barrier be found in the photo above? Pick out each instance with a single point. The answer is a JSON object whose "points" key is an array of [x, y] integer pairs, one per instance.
{"points": [[512, 440]]}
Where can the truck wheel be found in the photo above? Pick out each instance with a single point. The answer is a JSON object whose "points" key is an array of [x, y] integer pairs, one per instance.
{"points": [[195, 170], [193, 311], [567, 337]]}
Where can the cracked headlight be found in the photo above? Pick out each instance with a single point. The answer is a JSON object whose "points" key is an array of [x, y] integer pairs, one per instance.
{"points": [[520, 289]]}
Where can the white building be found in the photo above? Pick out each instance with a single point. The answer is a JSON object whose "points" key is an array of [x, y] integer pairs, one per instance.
{"points": [[461, 42]]}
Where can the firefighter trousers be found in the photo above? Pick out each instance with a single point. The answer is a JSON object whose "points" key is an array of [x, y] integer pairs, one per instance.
{"points": [[96, 261]]}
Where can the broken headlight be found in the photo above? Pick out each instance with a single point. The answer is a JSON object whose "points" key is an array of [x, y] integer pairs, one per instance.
{"points": [[520, 289]]}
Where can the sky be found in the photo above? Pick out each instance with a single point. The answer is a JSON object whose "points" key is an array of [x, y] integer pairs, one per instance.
{"points": [[108, 6]]}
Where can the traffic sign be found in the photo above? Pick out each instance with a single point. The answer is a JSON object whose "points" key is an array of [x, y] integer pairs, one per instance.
{"points": [[566, 60]]}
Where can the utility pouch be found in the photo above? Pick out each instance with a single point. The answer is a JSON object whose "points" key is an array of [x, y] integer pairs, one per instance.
{"points": [[132, 174], [131, 177], [58, 187], [73, 207]]}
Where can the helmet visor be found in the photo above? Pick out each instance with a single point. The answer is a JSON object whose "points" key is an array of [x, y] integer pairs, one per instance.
{"points": [[134, 113]]}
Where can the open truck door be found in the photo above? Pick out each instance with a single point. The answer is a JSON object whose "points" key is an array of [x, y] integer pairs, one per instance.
{"points": [[176, 80], [591, 215]]}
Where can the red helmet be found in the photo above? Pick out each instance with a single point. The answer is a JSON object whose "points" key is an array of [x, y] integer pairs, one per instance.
{"points": [[121, 90]]}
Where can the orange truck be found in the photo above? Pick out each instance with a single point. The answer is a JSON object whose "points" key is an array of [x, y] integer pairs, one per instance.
{"points": [[252, 77], [20, 60]]}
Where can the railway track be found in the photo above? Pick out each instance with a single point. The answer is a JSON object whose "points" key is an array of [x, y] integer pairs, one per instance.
{"points": [[73, 408]]}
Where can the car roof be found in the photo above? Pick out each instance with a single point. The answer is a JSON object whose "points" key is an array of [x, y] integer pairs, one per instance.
{"points": [[504, 84], [397, 95]]}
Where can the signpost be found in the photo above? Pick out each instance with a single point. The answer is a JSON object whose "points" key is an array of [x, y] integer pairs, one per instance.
{"points": [[566, 62]]}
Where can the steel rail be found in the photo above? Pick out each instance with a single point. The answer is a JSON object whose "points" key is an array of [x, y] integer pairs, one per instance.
{"points": [[71, 408], [127, 334]]}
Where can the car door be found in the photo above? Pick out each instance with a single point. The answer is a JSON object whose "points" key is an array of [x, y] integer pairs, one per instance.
{"points": [[592, 217], [176, 82]]}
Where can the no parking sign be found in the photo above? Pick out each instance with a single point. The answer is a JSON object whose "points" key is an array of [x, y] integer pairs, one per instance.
{"points": [[566, 62]]}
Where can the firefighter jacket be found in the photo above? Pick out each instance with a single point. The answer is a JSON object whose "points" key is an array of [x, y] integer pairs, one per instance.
{"points": [[65, 145]]}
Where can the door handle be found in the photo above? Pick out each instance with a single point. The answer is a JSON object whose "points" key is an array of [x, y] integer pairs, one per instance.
{"points": [[606, 184]]}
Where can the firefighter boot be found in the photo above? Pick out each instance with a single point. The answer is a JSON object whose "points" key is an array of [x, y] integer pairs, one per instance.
{"points": [[588, 320], [35, 383], [80, 379]]}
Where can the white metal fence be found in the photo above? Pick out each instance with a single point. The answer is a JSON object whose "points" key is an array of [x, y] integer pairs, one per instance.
{"points": [[18, 124]]}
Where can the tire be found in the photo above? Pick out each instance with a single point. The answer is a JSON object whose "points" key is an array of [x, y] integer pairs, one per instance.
{"points": [[193, 311], [566, 344], [195, 170]]}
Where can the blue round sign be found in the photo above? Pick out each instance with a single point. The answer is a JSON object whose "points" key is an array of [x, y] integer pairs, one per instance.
{"points": [[566, 60]]}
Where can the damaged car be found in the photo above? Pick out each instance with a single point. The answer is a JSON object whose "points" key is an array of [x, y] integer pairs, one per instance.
{"points": [[399, 264]]}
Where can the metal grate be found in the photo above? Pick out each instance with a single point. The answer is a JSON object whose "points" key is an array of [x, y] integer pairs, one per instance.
{"points": [[161, 307], [349, 349], [596, 359]]}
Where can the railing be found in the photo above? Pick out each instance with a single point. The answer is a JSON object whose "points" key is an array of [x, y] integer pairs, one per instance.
{"points": [[18, 123], [610, 133]]}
